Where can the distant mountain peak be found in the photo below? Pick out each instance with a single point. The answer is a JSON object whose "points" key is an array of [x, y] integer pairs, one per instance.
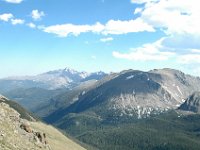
{"points": [[70, 70]]}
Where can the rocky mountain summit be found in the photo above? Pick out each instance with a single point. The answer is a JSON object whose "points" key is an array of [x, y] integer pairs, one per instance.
{"points": [[17, 133]]}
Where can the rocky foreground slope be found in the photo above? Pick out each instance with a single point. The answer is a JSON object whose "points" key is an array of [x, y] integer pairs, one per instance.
{"points": [[17, 133]]}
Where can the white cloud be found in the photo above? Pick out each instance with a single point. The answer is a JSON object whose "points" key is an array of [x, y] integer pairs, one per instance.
{"points": [[179, 19], [67, 29], [148, 52], [31, 25], [14, 1], [10, 18], [106, 39], [6, 17], [137, 11], [17, 21], [111, 27], [124, 27], [173, 16], [37, 15]]}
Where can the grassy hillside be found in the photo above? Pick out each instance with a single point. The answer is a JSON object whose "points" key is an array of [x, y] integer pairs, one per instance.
{"points": [[24, 114], [56, 139]]}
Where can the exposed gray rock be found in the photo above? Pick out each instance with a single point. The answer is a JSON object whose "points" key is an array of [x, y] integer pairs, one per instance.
{"points": [[192, 103]]}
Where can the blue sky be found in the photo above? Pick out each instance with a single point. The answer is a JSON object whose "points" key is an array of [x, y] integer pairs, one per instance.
{"points": [[92, 35]]}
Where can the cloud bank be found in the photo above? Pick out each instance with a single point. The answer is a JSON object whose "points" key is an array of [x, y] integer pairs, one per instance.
{"points": [[14, 1], [112, 27], [179, 20]]}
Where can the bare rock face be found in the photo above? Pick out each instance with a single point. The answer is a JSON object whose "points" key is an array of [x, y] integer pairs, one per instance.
{"points": [[22, 134], [16, 133], [38, 137], [192, 103], [26, 127], [41, 137]]}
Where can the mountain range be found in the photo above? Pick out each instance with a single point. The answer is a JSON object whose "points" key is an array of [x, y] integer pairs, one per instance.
{"points": [[61, 78], [153, 102], [132, 94], [33, 92], [131, 109]]}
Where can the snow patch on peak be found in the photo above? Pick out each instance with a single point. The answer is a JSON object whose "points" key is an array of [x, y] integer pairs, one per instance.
{"points": [[137, 105], [84, 75], [72, 71], [130, 77]]}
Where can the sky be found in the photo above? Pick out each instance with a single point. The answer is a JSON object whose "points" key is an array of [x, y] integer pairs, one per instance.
{"points": [[92, 35]]}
